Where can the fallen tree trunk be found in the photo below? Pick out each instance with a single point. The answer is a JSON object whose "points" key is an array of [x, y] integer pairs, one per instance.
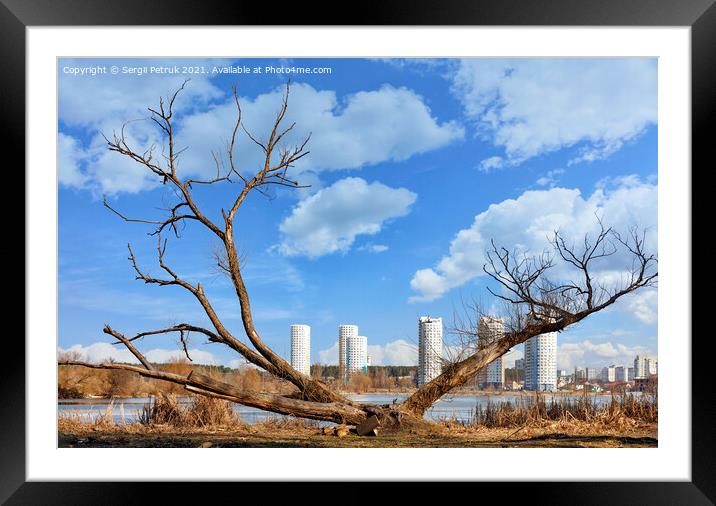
{"points": [[343, 413]]}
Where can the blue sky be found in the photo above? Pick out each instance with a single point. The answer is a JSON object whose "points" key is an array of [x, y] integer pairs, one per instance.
{"points": [[414, 166]]}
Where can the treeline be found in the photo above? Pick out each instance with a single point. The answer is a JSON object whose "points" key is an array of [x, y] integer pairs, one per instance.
{"points": [[385, 377], [394, 371], [76, 382]]}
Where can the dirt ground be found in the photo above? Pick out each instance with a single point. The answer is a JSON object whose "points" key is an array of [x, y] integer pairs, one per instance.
{"points": [[247, 436]]}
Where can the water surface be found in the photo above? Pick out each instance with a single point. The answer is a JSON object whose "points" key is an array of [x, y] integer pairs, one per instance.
{"points": [[459, 407]]}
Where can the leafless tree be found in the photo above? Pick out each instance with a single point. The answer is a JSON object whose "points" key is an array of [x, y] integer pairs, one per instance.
{"points": [[539, 304]]}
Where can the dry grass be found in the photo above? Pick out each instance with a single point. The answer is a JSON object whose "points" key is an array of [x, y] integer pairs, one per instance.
{"points": [[201, 412], [162, 412], [620, 410]]}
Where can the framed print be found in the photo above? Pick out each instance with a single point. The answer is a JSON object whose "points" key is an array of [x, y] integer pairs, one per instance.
{"points": [[416, 239]]}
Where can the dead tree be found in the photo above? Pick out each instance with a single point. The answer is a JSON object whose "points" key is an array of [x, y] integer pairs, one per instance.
{"points": [[545, 305]]}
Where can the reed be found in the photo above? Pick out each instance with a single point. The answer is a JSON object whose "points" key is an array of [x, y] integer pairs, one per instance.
{"points": [[537, 409], [201, 412]]}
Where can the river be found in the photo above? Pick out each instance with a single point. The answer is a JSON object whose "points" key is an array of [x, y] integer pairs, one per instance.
{"points": [[458, 407]]}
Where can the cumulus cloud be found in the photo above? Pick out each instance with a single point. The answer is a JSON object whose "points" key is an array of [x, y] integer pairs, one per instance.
{"points": [[102, 352], [398, 352], [330, 220], [364, 128], [68, 155], [102, 104], [643, 305], [530, 107], [329, 356], [589, 354], [525, 223], [106, 100]]}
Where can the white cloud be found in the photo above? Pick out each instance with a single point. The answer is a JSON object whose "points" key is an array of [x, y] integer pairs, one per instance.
{"points": [[526, 223], [330, 220], [105, 101], [68, 156], [492, 163], [102, 104], [550, 178], [398, 352], [597, 151], [101, 352], [643, 305], [110, 173], [329, 356], [589, 354], [374, 248], [513, 355], [365, 128], [530, 107]]}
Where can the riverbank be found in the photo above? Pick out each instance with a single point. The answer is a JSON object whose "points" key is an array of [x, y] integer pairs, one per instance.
{"points": [[403, 392], [300, 434]]}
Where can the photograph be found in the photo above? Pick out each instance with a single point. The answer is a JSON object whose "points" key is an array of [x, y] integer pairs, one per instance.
{"points": [[357, 252]]}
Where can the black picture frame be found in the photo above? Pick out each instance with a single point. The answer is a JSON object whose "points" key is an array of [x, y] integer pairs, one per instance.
{"points": [[700, 15]]}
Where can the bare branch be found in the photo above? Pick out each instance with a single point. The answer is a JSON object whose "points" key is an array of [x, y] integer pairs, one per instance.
{"points": [[108, 330]]}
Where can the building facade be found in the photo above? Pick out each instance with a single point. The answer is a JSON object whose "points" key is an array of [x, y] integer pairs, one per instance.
{"points": [[345, 332], [520, 364], [301, 348], [356, 355], [622, 374], [541, 363], [430, 348], [490, 330], [645, 366], [592, 374], [608, 374]]}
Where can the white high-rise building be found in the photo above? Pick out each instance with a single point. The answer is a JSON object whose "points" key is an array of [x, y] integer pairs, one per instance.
{"points": [[490, 330], [592, 374], [541, 363], [645, 366], [301, 348], [430, 348], [356, 355], [622, 374], [609, 374], [345, 332]]}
